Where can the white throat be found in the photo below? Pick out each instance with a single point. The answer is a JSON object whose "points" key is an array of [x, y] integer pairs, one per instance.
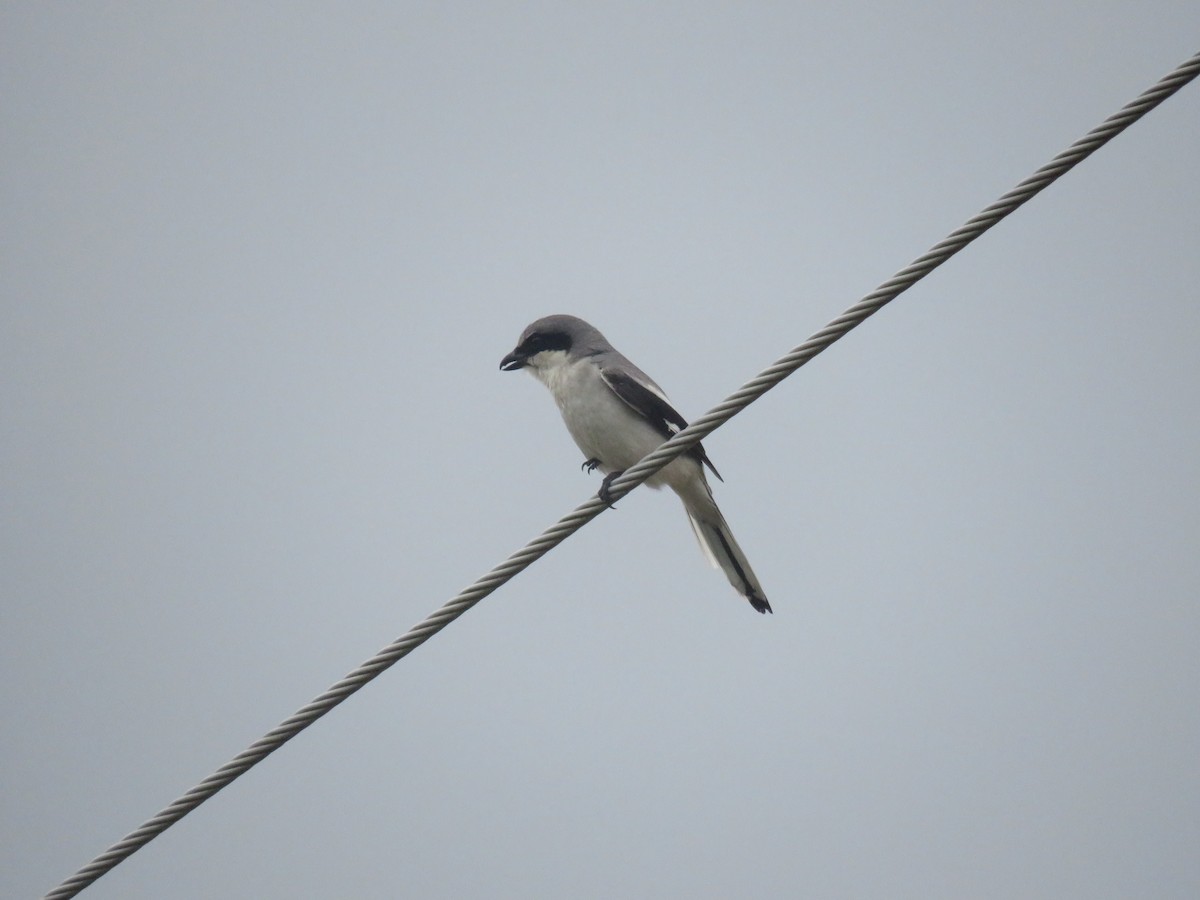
{"points": [[550, 367]]}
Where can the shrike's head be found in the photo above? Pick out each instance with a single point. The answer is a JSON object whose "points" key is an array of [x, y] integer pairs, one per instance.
{"points": [[552, 342]]}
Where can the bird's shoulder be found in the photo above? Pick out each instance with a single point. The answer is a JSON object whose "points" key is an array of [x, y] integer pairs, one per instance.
{"points": [[649, 401]]}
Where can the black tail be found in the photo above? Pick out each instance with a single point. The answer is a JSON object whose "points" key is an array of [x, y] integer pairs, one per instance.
{"points": [[722, 550]]}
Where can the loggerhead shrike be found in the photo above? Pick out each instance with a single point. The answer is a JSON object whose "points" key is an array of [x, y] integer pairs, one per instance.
{"points": [[617, 415]]}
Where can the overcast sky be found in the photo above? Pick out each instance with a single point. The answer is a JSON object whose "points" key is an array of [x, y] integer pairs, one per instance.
{"points": [[259, 266]]}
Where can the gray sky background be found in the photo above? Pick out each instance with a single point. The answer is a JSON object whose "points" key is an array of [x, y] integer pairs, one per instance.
{"points": [[259, 267]]}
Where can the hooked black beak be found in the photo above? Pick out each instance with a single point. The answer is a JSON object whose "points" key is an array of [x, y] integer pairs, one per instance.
{"points": [[512, 362]]}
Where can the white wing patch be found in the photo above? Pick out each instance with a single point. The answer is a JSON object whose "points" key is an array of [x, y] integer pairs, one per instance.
{"points": [[655, 390]]}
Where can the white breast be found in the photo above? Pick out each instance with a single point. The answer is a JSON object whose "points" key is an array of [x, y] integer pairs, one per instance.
{"points": [[603, 425]]}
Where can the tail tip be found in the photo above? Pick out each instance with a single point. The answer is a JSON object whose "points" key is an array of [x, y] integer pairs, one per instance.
{"points": [[759, 602]]}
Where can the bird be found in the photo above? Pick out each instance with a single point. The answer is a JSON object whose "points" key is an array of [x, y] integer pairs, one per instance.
{"points": [[617, 414]]}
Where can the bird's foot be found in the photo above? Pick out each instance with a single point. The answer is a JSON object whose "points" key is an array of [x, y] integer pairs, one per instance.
{"points": [[589, 465], [604, 494]]}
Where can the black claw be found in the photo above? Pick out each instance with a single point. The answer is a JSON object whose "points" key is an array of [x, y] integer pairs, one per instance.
{"points": [[604, 494], [589, 465]]}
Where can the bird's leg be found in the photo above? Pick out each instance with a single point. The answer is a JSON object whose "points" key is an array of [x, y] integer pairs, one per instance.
{"points": [[603, 493], [589, 465]]}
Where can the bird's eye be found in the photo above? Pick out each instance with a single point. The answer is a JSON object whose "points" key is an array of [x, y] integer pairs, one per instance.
{"points": [[546, 340]]}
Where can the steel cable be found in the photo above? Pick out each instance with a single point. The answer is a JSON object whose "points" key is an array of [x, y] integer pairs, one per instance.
{"points": [[632, 477]]}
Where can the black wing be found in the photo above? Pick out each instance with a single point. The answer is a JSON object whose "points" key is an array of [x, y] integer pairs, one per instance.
{"points": [[655, 410]]}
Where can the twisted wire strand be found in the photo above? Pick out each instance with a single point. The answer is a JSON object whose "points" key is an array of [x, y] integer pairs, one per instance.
{"points": [[632, 477]]}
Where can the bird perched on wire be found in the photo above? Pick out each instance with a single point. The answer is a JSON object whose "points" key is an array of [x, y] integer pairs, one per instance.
{"points": [[617, 415]]}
